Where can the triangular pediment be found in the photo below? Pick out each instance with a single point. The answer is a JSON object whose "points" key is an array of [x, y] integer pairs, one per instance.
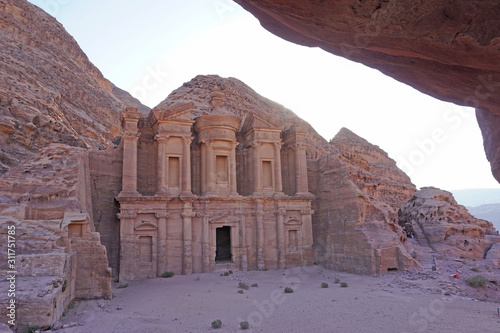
{"points": [[177, 112], [255, 121]]}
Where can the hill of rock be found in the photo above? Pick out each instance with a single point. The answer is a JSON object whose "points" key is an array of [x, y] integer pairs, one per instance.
{"points": [[50, 92]]}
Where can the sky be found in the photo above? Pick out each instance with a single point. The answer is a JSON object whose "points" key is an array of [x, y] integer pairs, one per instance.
{"points": [[149, 48]]}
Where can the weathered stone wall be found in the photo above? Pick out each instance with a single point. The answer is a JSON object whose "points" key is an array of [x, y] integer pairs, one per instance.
{"points": [[355, 223], [106, 183]]}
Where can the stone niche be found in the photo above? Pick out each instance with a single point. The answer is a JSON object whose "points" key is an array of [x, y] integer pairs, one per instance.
{"points": [[205, 193]]}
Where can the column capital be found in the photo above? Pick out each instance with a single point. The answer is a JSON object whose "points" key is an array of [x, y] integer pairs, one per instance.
{"points": [[161, 137], [163, 215], [206, 142], [187, 139], [280, 211], [255, 144], [131, 135], [306, 211], [301, 146], [126, 215], [188, 214]]}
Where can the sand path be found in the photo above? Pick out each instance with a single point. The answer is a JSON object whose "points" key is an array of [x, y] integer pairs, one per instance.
{"points": [[397, 302]]}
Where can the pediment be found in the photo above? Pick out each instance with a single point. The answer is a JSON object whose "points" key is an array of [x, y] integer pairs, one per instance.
{"points": [[292, 222], [254, 121], [145, 225], [222, 218], [179, 112]]}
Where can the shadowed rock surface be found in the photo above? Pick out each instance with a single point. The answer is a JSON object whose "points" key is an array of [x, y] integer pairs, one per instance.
{"points": [[446, 49]]}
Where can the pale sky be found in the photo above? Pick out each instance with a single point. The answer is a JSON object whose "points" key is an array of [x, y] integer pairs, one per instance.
{"points": [[150, 48]]}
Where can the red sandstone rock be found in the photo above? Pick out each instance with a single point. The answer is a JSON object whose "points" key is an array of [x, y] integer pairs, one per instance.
{"points": [[447, 49], [49, 91], [435, 219], [359, 190]]}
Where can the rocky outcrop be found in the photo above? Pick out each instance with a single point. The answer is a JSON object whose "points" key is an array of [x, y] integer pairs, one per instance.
{"points": [[359, 190], [59, 256], [436, 220], [446, 49], [50, 92]]}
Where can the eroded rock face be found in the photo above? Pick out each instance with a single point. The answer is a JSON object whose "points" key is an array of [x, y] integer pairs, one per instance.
{"points": [[59, 256], [50, 92], [359, 190], [446, 49], [436, 220]]}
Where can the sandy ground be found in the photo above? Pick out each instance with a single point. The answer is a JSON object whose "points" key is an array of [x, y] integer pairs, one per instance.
{"points": [[396, 302]]}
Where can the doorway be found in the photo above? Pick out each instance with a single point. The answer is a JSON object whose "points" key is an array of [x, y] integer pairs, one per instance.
{"points": [[223, 244]]}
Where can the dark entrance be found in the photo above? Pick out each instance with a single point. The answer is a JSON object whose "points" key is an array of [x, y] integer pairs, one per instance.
{"points": [[223, 250]]}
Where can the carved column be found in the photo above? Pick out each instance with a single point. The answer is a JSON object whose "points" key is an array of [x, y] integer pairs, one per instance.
{"points": [[210, 167], [280, 238], [257, 167], [130, 136], [259, 214], [186, 166], [162, 143], [307, 238], [127, 245], [162, 241], [187, 237], [243, 242], [233, 180], [301, 169], [278, 185], [205, 241], [203, 176], [129, 180]]}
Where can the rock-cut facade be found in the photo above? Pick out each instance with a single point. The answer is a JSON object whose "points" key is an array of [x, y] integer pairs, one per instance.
{"points": [[216, 192]]}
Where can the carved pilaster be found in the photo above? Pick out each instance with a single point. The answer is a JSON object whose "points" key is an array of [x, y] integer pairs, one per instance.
{"points": [[187, 237], [256, 167], [186, 175], [210, 167], [259, 214], [205, 242], [232, 172], [127, 245], [301, 169], [243, 241], [129, 173], [162, 240], [162, 142], [280, 232], [278, 185]]}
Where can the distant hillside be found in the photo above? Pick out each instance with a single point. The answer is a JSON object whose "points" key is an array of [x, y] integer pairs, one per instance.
{"points": [[477, 197], [489, 212]]}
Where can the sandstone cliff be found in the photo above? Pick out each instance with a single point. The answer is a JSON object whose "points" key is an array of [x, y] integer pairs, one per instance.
{"points": [[49, 91], [436, 220], [447, 49], [359, 191]]}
